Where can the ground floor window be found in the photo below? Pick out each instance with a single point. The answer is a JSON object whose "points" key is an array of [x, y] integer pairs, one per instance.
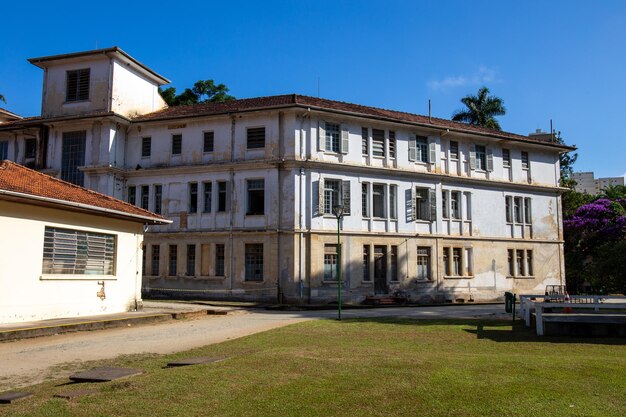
{"points": [[76, 252], [254, 262], [366, 263], [423, 263], [457, 261], [156, 253], [191, 260], [330, 262], [173, 261], [219, 260], [520, 262], [394, 263]]}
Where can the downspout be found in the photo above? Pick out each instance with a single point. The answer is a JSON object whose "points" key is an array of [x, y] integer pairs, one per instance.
{"points": [[301, 206], [230, 208], [281, 140]]}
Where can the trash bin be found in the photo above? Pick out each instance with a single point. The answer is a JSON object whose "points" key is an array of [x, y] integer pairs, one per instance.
{"points": [[509, 301]]}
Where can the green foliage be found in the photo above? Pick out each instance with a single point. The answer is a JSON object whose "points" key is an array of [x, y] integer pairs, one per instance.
{"points": [[2, 98], [572, 200], [614, 192], [481, 110], [566, 162], [203, 91]]}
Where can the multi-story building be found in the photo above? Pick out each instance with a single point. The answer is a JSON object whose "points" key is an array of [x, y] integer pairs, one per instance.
{"points": [[441, 210], [586, 183]]}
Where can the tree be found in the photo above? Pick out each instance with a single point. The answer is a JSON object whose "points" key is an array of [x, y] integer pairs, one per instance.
{"points": [[2, 98], [566, 163], [481, 110], [614, 192], [203, 91]]}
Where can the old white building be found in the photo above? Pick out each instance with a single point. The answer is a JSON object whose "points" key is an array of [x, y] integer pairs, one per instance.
{"points": [[441, 210]]}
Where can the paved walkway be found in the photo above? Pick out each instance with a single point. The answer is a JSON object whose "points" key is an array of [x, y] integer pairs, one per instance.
{"points": [[30, 361]]}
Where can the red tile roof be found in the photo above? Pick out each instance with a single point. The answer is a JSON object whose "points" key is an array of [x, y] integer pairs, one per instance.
{"points": [[16, 178], [294, 100]]}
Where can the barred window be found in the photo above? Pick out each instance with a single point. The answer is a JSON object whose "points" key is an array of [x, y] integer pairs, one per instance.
{"points": [[191, 260], [256, 196], [330, 262], [423, 263], [208, 193], [76, 252], [158, 198], [254, 262], [73, 157], [208, 141], [177, 144], [155, 258], [193, 197], [219, 260], [145, 197], [77, 87], [256, 137], [173, 261]]}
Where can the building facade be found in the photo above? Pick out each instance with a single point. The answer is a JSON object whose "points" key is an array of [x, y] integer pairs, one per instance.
{"points": [[439, 210], [586, 183]]}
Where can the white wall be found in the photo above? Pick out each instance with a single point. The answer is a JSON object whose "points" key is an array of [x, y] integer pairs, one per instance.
{"points": [[132, 93], [26, 295]]}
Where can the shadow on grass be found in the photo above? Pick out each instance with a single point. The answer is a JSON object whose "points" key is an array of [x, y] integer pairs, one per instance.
{"points": [[496, 330]]}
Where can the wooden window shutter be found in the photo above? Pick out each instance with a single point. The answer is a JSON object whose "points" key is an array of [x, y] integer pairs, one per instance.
{"points": [[432, 202], [345, 197], [412, 148], [321, 136], [413, 215], [472, 157], [432, 152], [320, 197], [345, 139], [489, 159]]}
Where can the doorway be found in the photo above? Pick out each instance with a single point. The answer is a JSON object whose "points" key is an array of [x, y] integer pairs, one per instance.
{"points": [[380, 270]]}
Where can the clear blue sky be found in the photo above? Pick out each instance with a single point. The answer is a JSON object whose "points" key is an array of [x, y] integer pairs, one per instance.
{"points": [[564, 60]]}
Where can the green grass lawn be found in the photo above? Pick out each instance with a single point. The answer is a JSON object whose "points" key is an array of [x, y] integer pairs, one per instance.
{"points": [[381, 367]]}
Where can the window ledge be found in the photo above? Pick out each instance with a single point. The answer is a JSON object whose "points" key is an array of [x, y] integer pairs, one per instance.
{"points": [[329, 282], [255, 214], [58, 277], [206, 278], [255, 283], [521, 277], [368, 283], [207, 152], [458, 276], [171, 277], [76, 101]]}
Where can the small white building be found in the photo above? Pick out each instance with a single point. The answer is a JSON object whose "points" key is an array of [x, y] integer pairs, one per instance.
{"points": [[66, 251]]}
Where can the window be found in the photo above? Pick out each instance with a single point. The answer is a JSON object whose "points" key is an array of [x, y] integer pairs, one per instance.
{"points": [[155, 257], [457, 261], [511, 257], [132, 195], [508, 202], [365, 143], [30, 148], [4, 150], [146, 147], [517, 209], [173, 261], [77, 85], [158, 198], [208, 141], [392, 144], [454, 150], [254, 262], [365, 199], [481, 157], [333, 133], [330, 262], [520, 262], [193, 197], [76, 252], [256, 197], [207, 191], [378, 142], [529, 262], [219, 260], [145, 197], [423, 200], [73, 157], [177, 144], [525, 164], [423, 263], [378, 199], [506, 158], [393, 207], [421, 144], [221, 196], [455, 206], [191, 260], [331, 195], [366, 263], [527, 211], [256, 137], [394, 263]]}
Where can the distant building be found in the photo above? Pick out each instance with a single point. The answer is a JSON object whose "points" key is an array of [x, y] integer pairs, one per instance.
{"points": [[441, 210], [66, 251], [586, 183]]}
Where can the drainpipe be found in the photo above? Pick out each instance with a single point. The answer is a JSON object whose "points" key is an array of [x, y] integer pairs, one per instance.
{"points": [[232, 192]]}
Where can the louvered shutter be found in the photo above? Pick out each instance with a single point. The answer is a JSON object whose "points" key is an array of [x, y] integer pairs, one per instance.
{"points": [[432, 202], [345, 196], [472, 157], [413, 205], [432, 151], [321, 136], [320, 196], [489, 159], [412, 148], [345, 139]]}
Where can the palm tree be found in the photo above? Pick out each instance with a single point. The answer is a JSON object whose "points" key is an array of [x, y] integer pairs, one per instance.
{"points": [[613, 192], [481, 110]]}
